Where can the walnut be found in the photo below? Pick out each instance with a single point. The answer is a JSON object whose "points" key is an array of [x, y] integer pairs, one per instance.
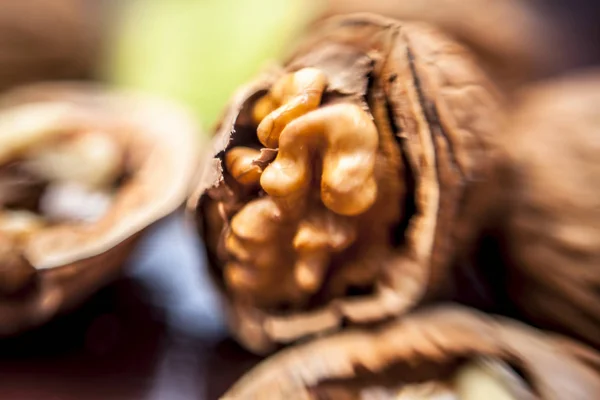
{"points": [[338, 178], [83, 172], [551, 205], [444, 352], [515, 40]]}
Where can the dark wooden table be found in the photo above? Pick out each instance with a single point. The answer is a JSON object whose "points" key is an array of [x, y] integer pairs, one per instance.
{"points": [[155, 334]]}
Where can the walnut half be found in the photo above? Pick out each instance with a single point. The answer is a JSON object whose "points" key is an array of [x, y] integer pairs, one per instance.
{"points": [[336, 179], [444, 352], [83, 172]]}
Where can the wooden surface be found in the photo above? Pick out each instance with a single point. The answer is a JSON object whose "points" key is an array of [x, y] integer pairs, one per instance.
{"points": [[155, 334]]}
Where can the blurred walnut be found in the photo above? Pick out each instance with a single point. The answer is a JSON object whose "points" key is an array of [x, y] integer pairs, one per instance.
{"points": [[83, 172], [445, 352], [515, 40], [553, 205]]}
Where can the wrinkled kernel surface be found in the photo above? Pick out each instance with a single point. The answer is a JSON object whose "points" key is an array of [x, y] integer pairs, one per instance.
{"points": [[240, 162], [321, 204]]}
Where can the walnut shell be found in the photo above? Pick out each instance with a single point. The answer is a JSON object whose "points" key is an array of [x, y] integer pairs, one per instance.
{"points": [[437, 115], [517, 41], [50, 267], [426, 346], [551, 205]]}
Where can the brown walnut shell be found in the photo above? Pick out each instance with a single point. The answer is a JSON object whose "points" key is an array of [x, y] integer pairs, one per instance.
{"points": [[437, 116], [516, 40], [426, 347], [56, 266], [552, 205]]}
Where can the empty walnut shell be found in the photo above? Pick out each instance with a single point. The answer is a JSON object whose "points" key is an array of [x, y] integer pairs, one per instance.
{"points": [[336, 180], [423, 355], [83, 172]]}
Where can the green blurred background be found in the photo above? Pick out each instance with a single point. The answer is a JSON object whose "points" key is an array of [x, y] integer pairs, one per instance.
{"points": [[200, 51]]}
